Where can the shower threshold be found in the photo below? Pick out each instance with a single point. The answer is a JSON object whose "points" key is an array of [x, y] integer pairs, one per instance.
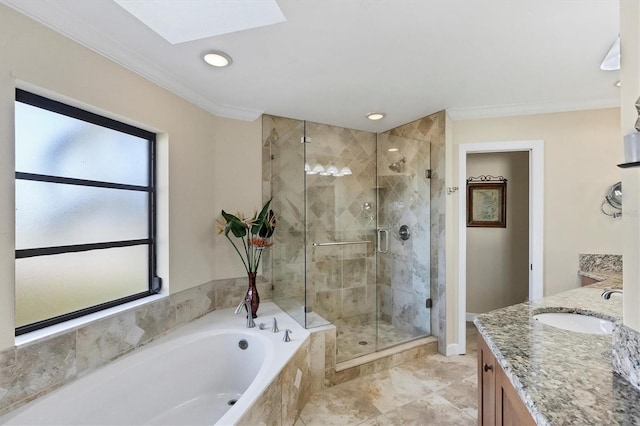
{"points": [[392, 356]]}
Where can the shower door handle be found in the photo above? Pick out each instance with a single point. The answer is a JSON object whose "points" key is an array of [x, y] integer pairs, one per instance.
{"points": [[386, 240]]}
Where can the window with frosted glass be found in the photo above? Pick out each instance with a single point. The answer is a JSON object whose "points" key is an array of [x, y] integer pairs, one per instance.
{"points": [[85, 222]]}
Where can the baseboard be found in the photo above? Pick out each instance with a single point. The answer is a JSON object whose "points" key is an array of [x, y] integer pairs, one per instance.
{"points": [[452, 349], [470, 317]]}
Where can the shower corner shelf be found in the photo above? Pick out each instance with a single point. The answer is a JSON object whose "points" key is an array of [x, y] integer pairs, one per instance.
{"points": [[629, 165]]}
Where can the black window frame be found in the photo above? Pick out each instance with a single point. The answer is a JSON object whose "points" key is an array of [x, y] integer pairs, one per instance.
{"points": [[155, 283]]}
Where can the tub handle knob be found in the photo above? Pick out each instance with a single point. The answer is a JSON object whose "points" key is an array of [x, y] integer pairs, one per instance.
{"points": [[286, 335], [275, 328]]}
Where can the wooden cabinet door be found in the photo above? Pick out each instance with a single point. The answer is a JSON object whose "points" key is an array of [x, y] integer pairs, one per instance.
{"points": [[486, 385], [510, 410]]}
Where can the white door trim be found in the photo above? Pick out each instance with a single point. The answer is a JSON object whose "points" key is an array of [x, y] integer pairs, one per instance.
{"points": [[536, 220]]}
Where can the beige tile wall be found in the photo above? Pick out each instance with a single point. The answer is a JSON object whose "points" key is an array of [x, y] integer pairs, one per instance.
{"points": [[341, 280], [32, 370]]}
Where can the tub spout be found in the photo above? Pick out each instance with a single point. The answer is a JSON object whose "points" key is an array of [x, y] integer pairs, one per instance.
{"points": [[247, 305], [240, 306], [275, 328]]}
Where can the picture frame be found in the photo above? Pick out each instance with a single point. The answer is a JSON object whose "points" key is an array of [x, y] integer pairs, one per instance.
{"points": [[487, 204]]}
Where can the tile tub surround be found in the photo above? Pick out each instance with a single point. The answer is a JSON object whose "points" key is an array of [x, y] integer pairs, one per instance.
{"points": [[563, 377], [34, 369], [281, 376]]}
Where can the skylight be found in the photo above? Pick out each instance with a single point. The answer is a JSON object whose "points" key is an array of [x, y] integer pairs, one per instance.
{"points": [[178, 21]]}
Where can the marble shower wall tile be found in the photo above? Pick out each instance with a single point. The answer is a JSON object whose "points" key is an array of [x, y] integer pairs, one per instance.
{"points": [[38, 368], [296, 392], [407, 275], [283, 400], [32, 370], [322, 355], [105, 340], [194, 302], [335, 212], [267, 409], [283, 174], [7, 358]]}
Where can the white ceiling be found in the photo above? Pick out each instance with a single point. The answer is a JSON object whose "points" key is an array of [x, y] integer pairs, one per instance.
{"points": [[333, 61]]}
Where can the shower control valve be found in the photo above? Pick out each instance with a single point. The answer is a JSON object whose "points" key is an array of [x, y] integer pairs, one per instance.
{"points": [[404, 232]]}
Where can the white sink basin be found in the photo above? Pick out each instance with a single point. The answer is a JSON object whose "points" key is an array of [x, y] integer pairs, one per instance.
{"points": [[576, 322]]}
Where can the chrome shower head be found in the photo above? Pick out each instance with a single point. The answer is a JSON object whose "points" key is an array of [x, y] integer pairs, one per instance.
{"points": [[398, 166]]}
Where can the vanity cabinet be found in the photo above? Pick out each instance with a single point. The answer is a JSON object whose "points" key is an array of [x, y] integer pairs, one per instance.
{"points": [[498, 401]]}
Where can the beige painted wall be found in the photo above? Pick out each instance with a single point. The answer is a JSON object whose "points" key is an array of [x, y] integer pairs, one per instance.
{"points": [[206, 163], [630, 90], [581, 150], [498, 258]]}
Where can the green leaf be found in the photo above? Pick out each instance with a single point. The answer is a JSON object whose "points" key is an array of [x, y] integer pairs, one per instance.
{"points": [[260, 219], [268, 225], [237, 227]]}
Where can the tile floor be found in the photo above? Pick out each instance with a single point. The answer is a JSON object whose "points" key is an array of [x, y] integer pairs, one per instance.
{"points": [[434, 390], [350, 335]]}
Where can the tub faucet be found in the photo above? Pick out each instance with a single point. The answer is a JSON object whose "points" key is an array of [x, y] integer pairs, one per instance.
{"points": [[286, 335], [606, 295], [247, 305]]}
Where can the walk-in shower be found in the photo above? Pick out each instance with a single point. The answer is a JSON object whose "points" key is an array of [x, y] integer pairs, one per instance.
{"points": [[354, 240]]}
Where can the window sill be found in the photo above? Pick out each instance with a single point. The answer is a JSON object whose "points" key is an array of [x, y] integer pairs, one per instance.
{"points": [[74, 324]]}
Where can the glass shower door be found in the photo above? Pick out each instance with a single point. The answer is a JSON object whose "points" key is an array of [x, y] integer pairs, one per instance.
{"points": [[340, 182], [283, 177], [404, 226]]}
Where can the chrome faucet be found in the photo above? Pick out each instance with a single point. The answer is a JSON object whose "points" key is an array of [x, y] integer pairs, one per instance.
{"points": [[247, 306], [606, 295]]}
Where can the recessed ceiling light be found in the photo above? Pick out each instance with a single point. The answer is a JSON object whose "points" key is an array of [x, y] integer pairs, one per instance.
{"points": [[393, 150], [617, 83], [375, 116], [218, 59]]}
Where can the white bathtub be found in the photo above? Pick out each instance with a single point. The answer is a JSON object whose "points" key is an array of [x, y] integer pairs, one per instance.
{"points": [[187, 377]]}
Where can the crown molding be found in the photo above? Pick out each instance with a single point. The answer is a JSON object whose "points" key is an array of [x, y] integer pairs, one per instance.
{"points": [[88, 36], [496, 111]]}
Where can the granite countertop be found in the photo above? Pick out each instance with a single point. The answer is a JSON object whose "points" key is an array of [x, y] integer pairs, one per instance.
{"points": [[563, 377], [613, 279]]}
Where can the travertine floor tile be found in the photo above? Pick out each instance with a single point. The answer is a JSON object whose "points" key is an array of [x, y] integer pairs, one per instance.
{"points": [[432, 409], [338, 405], [432, 390], [391, 389], [463, 395]]}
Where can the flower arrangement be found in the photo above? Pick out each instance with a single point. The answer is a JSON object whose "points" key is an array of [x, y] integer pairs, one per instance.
{"points": [[254, 234]]}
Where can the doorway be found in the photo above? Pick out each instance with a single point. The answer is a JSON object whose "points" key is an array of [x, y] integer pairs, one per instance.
{"points": [[497, 252], [535, 150]]}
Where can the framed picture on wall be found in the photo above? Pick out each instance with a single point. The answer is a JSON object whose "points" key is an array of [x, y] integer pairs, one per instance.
{"points": [[486, 204]]}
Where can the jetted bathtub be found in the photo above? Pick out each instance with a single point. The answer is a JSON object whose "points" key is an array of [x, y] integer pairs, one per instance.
{"points": [[208, 372]]}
